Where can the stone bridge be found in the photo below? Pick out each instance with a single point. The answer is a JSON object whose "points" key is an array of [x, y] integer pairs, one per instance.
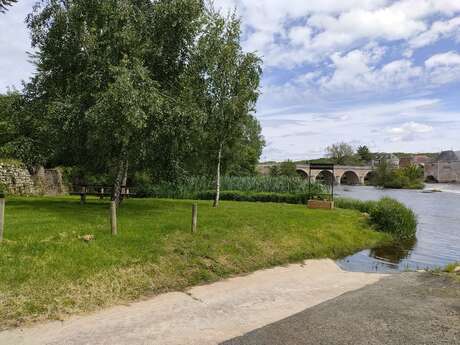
{"points": [[343, 174]]}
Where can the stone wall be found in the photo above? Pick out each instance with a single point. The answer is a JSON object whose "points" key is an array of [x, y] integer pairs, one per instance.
{"points": [[443, 172], [16, 179]]}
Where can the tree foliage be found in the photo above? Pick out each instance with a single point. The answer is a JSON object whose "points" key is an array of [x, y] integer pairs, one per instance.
{"points": [[364, 153], [341, 153], [161, 87], [225, 82]]}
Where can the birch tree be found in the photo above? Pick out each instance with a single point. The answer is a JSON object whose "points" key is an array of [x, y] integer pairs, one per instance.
{"points": [[228, 82]]}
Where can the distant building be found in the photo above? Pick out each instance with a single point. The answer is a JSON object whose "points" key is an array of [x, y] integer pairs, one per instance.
{"points": [[390, 158], [419, 160], [445, 169]]}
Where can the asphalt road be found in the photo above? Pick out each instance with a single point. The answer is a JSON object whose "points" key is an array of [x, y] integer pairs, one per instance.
{"points": [[404, 309]]}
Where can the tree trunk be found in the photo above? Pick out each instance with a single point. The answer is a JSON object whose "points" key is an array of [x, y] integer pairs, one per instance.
{"points": [[124, 181], [117, 184], [219, 158]]}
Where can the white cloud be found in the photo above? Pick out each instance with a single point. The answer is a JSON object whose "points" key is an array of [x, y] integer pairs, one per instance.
{"points": [[408, 131], [334, 26], [438, 30], [443, 68], [446, 59]]}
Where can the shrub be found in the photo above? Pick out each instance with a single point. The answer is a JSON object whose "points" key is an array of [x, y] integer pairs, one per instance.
{"points": [[286, 198], [388, 215], [354, 204], [391, 216], [189, 187]]}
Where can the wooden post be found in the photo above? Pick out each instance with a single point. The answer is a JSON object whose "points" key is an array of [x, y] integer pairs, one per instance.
{"points": [[194, 217], [83, 195], [113, 217], [2, 215]]}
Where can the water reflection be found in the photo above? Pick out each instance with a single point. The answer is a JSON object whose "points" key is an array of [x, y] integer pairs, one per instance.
{"points": [[438, 231], [394, 253]]}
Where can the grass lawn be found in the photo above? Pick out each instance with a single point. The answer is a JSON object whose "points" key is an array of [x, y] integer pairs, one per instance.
{"points": [[47, 272]]}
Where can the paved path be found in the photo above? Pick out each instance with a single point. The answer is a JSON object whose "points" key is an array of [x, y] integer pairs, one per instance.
{"points": [[206, 314], [404, 309]]}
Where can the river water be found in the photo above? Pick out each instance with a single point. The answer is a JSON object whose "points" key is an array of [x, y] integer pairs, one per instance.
{"points": [[438, 230]]}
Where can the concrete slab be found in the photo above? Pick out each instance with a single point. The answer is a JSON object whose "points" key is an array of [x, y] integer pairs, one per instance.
{"points": [[203, 315]]}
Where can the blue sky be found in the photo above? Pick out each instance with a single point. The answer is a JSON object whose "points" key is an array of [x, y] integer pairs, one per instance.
{"points": [[383, 73]]}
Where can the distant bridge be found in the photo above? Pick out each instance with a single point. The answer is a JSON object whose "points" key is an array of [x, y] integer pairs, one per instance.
{"points": [[343, 174]]}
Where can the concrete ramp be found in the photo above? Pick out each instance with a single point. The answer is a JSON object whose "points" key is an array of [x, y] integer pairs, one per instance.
{"points": [[203, 315]]}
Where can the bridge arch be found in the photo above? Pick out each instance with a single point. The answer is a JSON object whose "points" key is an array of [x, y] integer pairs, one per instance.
{"points": [[302, 173], [325, 176], [431, 179], [349, 178], [369, 177]]}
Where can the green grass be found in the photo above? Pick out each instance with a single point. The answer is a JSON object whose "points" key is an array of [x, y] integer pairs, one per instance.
{"points": [[47, 272]]}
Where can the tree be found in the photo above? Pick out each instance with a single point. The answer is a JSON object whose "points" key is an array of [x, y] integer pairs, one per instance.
{"points": [[107, 74], [275, 170], [364, 153], [4, 4], [341, 153], [288, 168], [228, 86], [243, 157]]}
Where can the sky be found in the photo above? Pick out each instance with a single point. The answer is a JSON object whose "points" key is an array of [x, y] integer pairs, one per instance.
{"points": [[381, 73]]}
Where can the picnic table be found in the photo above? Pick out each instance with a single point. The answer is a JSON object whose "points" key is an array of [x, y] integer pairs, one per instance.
{"points": [[98, 190]]}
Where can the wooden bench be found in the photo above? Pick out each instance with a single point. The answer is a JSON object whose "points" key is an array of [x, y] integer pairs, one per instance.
{"points": [[98, 190]]}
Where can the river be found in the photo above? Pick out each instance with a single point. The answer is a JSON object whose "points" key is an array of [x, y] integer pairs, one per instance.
{"points": [[438, 230]]}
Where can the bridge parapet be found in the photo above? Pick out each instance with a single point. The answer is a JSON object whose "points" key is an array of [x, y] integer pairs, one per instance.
{"points": [[343, 174]]}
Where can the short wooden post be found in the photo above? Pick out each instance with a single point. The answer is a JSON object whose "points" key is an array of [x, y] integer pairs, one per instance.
{"points": [[194, 217], [2, 215], [83, 195], [113, 217]]}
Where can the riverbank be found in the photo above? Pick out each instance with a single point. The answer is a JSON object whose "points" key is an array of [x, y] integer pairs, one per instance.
{"points": [[49, 271]]}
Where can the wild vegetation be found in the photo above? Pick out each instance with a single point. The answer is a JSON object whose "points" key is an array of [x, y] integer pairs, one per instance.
{"points": [[50, 269], [387, 214], [410, 177], [190, 187]]}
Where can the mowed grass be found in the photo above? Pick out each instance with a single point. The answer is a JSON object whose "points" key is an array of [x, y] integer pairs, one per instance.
{"points": [[48, 272]]}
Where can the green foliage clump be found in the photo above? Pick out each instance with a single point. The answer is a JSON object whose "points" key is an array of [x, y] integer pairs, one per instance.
{"points": [[391, 216], [354, 204], [286, 168], [387, 214], [189, 187], [286, 198], [410, 177]]}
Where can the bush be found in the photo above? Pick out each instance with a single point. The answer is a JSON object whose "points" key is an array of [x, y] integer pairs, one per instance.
{"points": [[286, 198], [354, 204], [410, 177], [388, 215], [189, 187], [391, 216]]}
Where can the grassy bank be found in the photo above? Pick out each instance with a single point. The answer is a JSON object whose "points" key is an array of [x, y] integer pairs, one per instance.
{"points": [[47, 271]]}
